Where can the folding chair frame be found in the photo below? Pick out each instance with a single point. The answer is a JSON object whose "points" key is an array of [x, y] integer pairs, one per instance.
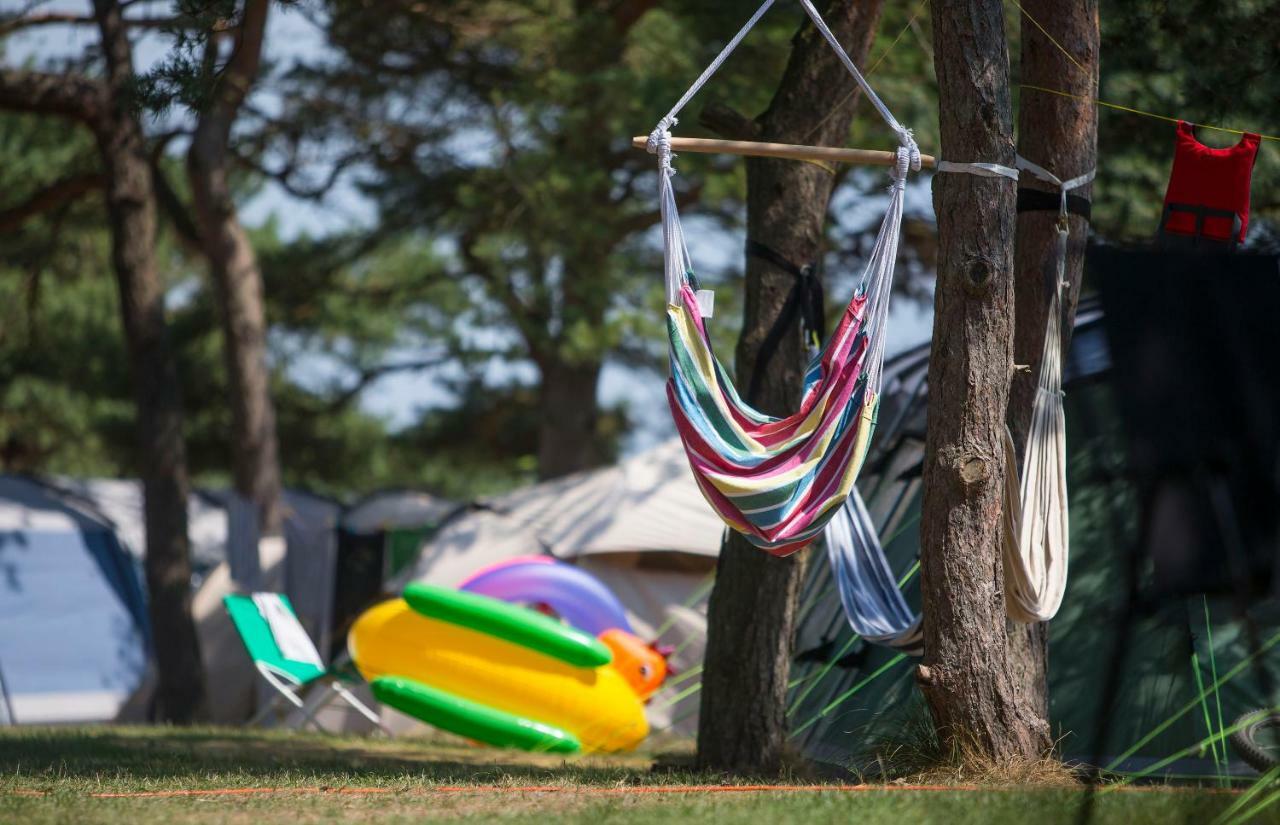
{"points": [[290, 688]]}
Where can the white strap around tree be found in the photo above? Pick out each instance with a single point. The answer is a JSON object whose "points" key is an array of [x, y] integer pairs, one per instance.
{"points": [[1037, 536], [983, 170]]}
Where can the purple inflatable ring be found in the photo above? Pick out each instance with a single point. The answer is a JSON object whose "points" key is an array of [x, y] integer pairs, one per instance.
{"points": [[578, 597]]}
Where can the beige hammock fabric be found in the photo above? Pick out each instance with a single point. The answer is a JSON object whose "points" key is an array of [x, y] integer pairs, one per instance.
{"points": [[1036, 535]]}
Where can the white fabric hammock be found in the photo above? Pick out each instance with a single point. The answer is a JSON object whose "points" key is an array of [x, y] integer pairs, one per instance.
{"points": [[1036, 536]]}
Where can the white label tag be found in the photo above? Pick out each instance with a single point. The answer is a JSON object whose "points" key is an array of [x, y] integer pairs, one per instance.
{"points": [[706, 303]]}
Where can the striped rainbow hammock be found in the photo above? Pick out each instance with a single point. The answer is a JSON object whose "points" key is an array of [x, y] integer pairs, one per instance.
{"points": [[778, 481]]}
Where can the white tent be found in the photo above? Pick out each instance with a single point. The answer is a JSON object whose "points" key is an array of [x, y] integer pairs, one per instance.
{"points": [[73, 622], [641, 526]]}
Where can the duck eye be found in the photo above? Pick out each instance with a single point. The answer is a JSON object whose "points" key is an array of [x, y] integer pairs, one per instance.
{"points": [[645, 671]]}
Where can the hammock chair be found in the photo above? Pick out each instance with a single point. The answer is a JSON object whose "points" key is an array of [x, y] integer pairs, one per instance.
{"points": [[778, 481], [1034, 548]]}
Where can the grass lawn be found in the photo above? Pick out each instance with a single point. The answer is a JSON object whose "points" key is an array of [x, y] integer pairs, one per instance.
{"points": [[67, 775]]}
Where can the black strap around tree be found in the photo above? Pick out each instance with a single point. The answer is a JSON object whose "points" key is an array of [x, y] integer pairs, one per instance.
{"points": [[1038, 200], [805, 301]]}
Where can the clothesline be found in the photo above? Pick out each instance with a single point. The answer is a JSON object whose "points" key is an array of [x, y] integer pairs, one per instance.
{"points": [[1106, 104], [1141, 112]]}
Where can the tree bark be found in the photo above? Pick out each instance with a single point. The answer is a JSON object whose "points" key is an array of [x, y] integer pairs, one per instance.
{"points": [[1060, 134], [237, 277], [751, 614], [568, 417], [965, 675], [131, 215]]}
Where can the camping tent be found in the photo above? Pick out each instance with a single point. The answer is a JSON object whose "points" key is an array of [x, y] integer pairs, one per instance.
{"points": [[310, 523], [120, 500], [379, 536], [851, 699], [73, 622]]}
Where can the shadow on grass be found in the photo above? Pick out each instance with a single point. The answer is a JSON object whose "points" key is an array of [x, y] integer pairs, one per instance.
{"points": [[200, 754]]}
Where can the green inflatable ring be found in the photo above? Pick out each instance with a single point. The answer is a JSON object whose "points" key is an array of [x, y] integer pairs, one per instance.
{"points": [[470, 719], [509, 622]]}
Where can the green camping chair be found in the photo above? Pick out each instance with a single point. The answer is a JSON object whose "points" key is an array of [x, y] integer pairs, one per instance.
{"points": [[286, 657]]}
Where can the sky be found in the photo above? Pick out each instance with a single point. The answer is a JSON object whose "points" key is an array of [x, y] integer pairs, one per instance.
{"points": [[400, 397]]}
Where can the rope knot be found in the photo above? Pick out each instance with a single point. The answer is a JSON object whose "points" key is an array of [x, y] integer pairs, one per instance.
{"points": [[659, 143], [908, 159], [908, 141]]}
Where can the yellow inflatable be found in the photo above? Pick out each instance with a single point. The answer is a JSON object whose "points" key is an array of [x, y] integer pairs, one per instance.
{"points": [[496, 673]]}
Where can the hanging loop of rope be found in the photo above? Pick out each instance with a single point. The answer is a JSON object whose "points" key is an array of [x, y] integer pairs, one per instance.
{"points": [[660, 137]]}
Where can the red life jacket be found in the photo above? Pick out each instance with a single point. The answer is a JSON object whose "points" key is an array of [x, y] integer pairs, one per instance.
{"points": [[1209, 188]]}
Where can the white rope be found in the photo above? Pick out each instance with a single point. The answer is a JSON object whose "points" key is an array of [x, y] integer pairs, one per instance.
{"points": [[877, 278], [670, 119], [661, 133], [905, 137]]}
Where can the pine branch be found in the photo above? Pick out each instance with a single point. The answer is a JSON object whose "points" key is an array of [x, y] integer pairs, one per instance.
{"points": [[66, 95], [14, 24], [55, 195]]}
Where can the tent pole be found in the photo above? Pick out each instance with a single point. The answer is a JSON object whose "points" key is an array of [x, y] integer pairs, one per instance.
{"points": [[791, 151]]}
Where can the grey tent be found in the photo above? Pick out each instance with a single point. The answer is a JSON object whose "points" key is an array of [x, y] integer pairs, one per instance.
{"points": [[850, 699], [74, 635], [379, 537]]}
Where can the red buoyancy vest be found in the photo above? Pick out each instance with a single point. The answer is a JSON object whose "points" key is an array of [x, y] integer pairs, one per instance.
{"points": [[1211, 179]]}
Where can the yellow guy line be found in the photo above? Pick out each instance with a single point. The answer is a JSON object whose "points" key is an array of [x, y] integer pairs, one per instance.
{"points": [[1052, 40], [1133, 111], [1098, 102]]}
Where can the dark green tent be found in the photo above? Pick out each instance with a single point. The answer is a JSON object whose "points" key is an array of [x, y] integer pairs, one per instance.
{"points": [[850, 699]]}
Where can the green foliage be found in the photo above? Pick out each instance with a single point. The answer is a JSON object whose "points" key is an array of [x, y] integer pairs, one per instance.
{"points": [[61, 357], [496, 135], [66, 404]]}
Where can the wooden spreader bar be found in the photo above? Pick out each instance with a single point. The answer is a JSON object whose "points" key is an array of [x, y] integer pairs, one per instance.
{"points": [[790, 151]]}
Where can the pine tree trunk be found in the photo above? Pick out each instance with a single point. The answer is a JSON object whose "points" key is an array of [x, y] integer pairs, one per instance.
{"points": [[131, 215], [237, 278], [966, 671], [1060, 134], [751, 615], [568, 417]]}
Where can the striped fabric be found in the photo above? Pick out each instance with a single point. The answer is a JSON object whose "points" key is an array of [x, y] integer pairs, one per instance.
{"points": [[775, 480]]}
